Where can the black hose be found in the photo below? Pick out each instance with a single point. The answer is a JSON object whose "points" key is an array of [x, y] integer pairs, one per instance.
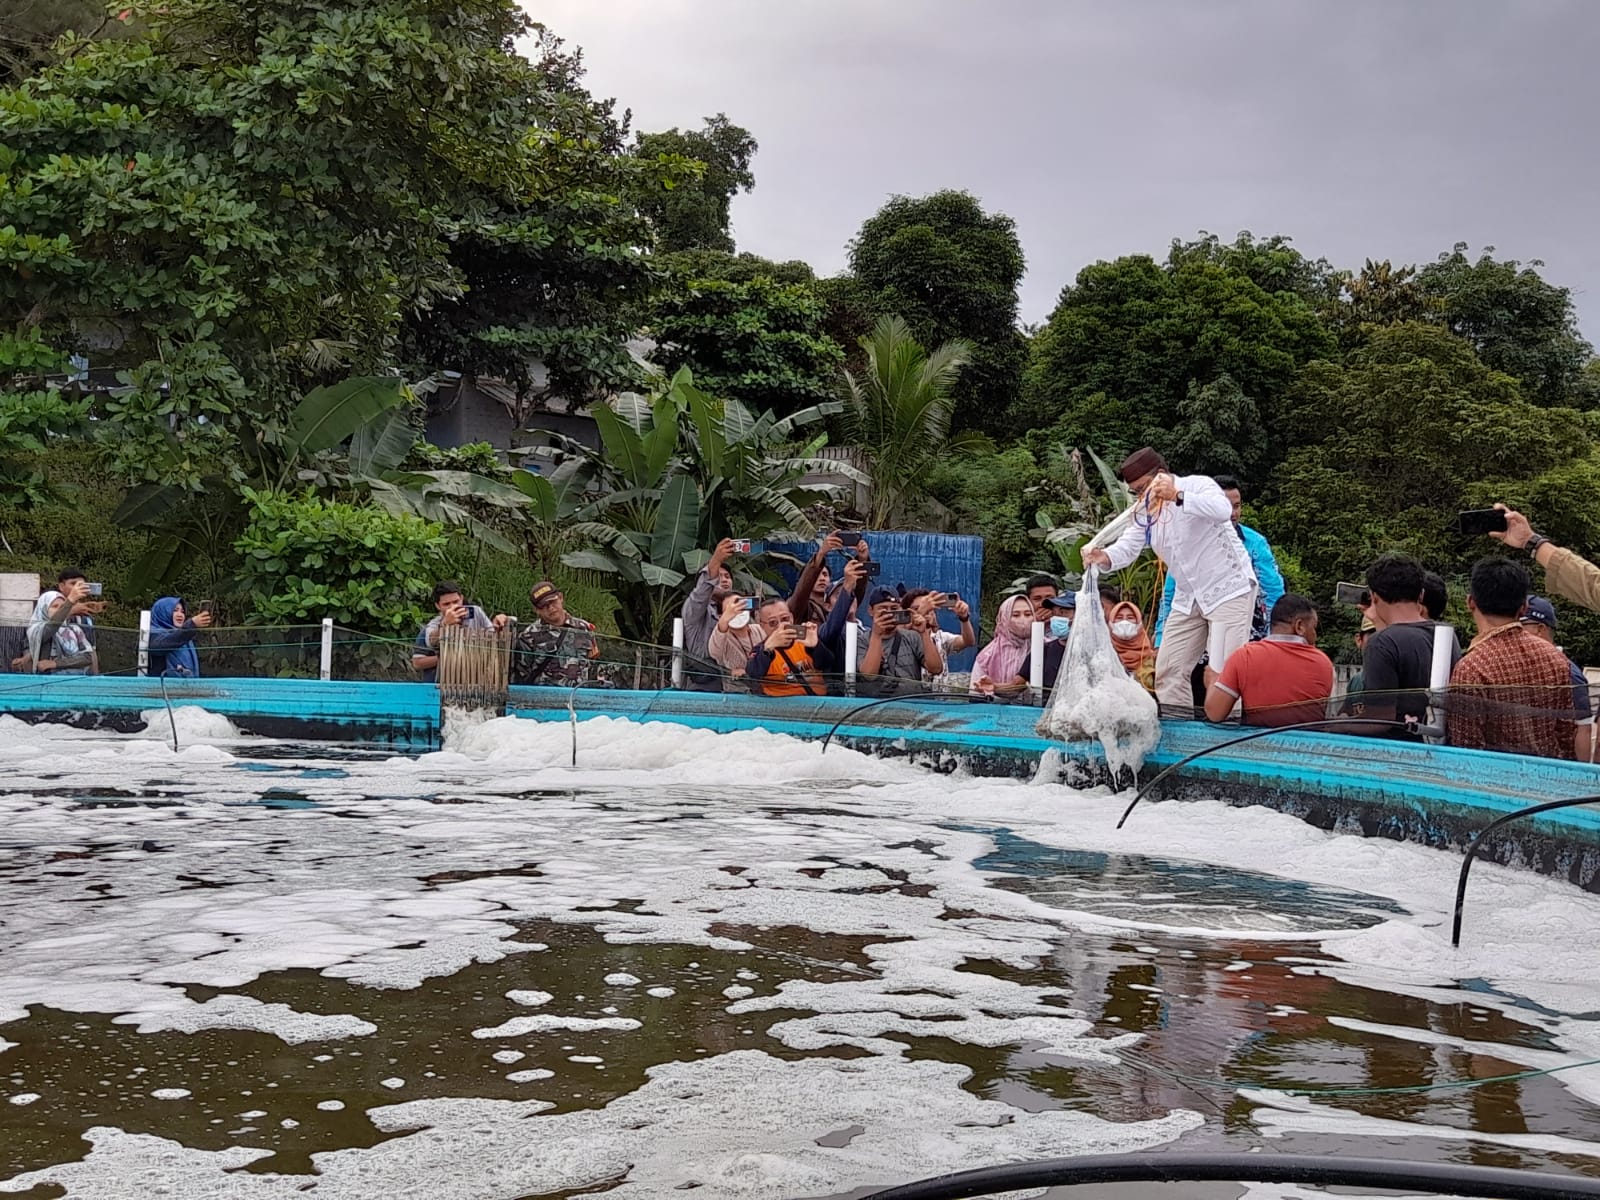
{"points": [[946, 697], [1456, 1179], [170, 716], [1330, 723], [1472, 849]]}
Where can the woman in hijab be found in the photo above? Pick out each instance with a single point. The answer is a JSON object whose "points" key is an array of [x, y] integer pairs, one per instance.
{"points": [[1000, 662], [172, 634], [1132, 643]]}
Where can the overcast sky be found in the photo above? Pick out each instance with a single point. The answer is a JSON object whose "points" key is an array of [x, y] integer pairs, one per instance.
{"points": [[1381, 128]]}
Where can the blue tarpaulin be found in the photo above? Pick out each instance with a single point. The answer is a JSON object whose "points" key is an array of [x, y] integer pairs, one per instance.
{"points": [[945, 562]]}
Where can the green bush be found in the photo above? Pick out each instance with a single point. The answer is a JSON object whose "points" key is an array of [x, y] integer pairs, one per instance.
{"points": [[305, 558]]}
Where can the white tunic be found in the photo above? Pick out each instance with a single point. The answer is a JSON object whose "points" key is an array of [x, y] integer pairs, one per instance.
{"points": [[1208, 562]]}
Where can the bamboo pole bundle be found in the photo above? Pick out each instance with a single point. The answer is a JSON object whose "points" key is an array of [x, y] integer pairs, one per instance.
{"points": [[474, 667]]}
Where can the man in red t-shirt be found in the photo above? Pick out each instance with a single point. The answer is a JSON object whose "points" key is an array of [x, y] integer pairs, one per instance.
{"points": [[1282, 680]]}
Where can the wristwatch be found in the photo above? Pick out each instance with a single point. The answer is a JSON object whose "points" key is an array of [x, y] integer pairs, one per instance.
{"points": [[1534, 542]]}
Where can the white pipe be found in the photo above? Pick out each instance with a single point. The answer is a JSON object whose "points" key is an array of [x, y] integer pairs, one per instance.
{"points": [[144, 642], [325, 671], [1036, 661], [1114, 527], [852, 643], [1444, 638], [677, 652]]}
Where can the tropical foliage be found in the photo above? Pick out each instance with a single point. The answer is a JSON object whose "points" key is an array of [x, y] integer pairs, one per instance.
{"points": [[897, 412], [675, 475]]}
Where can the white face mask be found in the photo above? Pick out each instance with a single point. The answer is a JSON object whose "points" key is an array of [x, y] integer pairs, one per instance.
{"points": [[739, 619], [1125, 629]]}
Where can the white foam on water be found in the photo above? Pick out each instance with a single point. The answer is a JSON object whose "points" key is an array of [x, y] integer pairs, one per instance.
{"points": [[508, 1056], [23, 1099], [750, 1133], [393, 1082], [331, 1105], [822, 843], [171, 1094], [531, 1075], [195, 724], [1279, 1114], [622, 979], [529, 998], [519, 1026]]}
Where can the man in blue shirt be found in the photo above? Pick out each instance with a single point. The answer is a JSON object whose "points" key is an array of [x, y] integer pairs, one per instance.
{"points": [[1269, 580], [1539, 618]]}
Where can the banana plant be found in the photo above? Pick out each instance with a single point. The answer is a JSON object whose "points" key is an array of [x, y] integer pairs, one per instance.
{"points": [[674, 474]]}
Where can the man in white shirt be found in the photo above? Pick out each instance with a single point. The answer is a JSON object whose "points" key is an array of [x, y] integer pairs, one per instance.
{"points": [[1188, 522]]}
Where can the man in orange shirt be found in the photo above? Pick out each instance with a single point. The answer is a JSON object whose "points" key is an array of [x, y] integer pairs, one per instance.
{"points": [[1283, 679]]}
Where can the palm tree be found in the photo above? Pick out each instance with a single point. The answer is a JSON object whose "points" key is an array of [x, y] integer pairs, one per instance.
{"points": [[897, 413]]}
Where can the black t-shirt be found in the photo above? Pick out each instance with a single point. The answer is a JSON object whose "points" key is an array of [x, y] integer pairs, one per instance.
{"points": [[1400, 659], [1053, 651]]}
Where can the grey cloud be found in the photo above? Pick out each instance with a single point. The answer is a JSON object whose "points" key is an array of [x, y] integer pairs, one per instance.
{"points": [[1358, 127]]}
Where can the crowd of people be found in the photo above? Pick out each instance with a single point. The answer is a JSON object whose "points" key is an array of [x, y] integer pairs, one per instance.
{"points": [[1228, 640]]}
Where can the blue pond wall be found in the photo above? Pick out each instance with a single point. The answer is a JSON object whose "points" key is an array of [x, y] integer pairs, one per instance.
{"points": [[946, 562], [1434, 795]]}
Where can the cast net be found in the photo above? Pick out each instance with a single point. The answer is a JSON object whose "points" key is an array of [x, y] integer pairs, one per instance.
{"points": [[1095, 698]]}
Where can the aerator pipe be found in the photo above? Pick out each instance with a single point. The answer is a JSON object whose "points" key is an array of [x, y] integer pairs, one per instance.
{"points": [[1444, 638], [1454, 1179], [1330, 723], [1472, 849], [1036, 659]]}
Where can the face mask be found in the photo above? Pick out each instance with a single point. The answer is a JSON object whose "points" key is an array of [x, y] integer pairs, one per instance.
{"points": [[739, 620], [1125, 629], [1060, 626], [1021, 625]]}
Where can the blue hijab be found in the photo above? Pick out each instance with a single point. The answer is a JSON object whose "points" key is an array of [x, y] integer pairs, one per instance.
{"points": [[174, 644]]}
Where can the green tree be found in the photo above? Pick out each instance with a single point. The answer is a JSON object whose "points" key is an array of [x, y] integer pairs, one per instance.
{"points": [[748, 329], [1517, 321], [1271, 263], [239, 202], [898, 413], [1114, 366], [951, 271], [1378, 295], [1392, 443], [991, 493], [694, 214]]}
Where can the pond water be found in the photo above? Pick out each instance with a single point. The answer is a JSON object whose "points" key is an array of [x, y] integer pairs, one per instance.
{"points": [[732, 966]]}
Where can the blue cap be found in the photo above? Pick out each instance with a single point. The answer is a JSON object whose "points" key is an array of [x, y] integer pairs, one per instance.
{"points": [[1540, 612], [881, 595], [1065, 600]]}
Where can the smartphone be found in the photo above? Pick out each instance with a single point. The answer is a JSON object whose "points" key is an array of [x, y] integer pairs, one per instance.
{"points": [[750, 603], [872, 568], [207, 606], [741, 545], [1352, 593], [951, 598], [849, 540], [95, 589], [1478, 521]]}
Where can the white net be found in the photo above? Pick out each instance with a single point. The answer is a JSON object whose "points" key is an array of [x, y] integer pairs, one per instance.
{"points": [[1095, 697]]}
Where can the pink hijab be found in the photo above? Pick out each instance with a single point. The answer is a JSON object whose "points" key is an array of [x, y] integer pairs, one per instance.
{"points": [[1001, 660]]}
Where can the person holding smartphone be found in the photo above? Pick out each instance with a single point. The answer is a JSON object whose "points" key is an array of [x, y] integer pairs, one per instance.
{"points": [[172, 634], [61, 630], [901, 647], [734, 638], [452, 609]]}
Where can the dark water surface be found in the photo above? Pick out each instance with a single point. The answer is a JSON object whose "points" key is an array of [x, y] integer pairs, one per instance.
{"points": [[1219, 1013]]}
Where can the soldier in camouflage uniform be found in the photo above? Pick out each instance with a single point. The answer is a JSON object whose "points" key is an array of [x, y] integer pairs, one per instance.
{"points": [[557, 649]]}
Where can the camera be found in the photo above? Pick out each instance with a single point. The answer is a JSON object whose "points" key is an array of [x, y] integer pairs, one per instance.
{"points": [[1478, 521], [1352, 593], [741, 545]]}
